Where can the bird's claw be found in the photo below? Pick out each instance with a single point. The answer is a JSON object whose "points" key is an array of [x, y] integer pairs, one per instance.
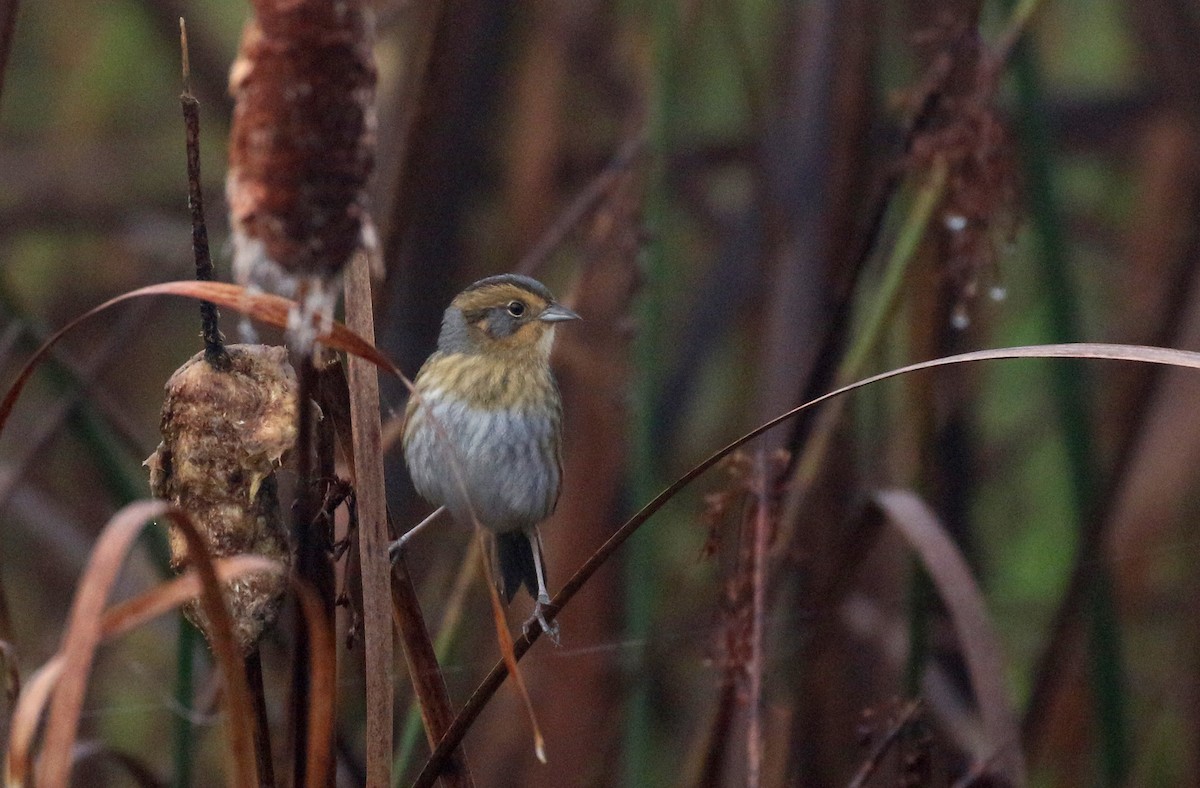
{"points": [[550, 628]]}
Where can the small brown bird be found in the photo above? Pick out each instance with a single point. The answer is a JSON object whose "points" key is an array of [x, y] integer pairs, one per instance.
{"points": [[482, 436]]}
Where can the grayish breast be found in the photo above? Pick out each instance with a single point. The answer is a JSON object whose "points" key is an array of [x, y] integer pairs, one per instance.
{"points": [[507, 458]]}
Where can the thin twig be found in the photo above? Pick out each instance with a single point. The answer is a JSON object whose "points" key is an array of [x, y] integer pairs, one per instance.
{"points": [[309, 555], [262, 728], [214, 344], [581, 207], [870, 765]]}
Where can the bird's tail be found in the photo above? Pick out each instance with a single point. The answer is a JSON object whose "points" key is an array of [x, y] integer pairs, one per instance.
{"points": [[514, 554]]}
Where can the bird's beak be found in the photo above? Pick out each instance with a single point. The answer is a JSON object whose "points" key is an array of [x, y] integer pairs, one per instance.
{"points": [[556, 313]]}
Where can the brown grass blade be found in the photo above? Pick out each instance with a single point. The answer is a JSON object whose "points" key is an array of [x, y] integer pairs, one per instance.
{"points": [[370, 495], [488, 687], [116, 621], [508, 655], [429, 685], [322, 685], [167, 596], [85, 631], [977, 636], [25, 720], [263, 307]]}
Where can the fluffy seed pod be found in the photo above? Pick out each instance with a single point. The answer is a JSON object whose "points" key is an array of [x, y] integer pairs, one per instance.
{"points": [[224, 434], [302, 144]]}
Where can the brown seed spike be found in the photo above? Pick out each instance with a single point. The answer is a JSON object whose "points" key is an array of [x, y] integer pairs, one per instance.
{"points": [[224, 435], [303, 139]]}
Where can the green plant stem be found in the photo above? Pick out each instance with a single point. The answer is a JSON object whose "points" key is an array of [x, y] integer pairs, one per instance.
{"points": [[1072, 395], [181, 737], [640, 579], [879, 313]]}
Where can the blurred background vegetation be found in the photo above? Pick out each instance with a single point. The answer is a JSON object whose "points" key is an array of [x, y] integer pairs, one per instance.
{"points": [[757, 168]]}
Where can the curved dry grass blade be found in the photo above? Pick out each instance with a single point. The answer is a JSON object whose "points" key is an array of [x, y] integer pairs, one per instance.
{"points": [[321, 685], [167, 596], [263, 307], [138, 772], [507, 653], [17, 761], [84, 631], [117, 621], [977, 637], [488, 687]]}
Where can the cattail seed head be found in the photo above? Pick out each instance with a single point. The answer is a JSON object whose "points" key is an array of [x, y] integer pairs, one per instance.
{"points": [[224, 434], [302, 143]]}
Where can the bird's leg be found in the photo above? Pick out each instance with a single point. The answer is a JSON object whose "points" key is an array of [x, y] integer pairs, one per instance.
{"points": [[543, 597], [397, 547]]}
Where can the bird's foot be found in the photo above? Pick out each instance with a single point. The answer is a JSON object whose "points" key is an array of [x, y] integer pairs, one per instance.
{"points": [[396, 548], [550, 628]]}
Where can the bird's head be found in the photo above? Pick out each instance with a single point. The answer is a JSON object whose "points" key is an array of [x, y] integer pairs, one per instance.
{"points": [[508, 314]]}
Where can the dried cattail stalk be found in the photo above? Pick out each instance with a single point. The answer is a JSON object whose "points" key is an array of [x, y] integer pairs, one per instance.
{"points": [[225, 432], [302, 145]]}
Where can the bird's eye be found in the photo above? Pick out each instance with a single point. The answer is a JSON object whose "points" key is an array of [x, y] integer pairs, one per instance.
{"points": [[516, 308]]}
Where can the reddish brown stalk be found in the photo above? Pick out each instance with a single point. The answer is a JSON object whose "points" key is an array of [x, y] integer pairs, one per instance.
{"points": [[424, 672], [314, 567], [321, 671], [373, 537], [758, 583], [367, 471]]}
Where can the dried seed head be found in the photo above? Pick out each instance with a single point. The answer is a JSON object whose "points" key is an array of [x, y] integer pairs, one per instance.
{"points": [[302, 143], [224, 434]]}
